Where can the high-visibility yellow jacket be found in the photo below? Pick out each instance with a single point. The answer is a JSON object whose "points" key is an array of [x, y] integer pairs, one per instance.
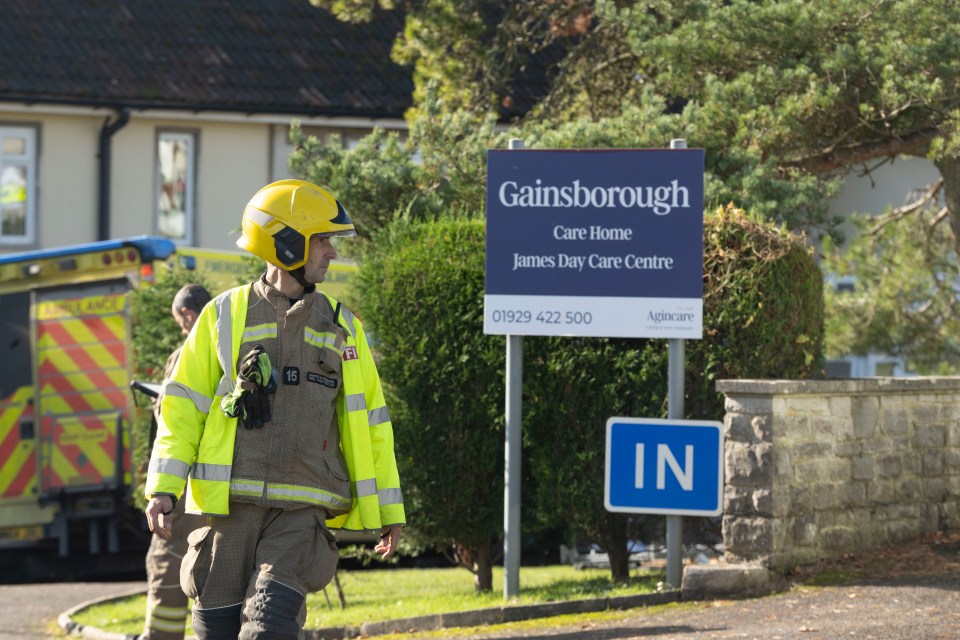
{"points": [[196, 439]]}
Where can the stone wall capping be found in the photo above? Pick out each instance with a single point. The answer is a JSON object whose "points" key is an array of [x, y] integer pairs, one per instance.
{"points": [[856, 386]]}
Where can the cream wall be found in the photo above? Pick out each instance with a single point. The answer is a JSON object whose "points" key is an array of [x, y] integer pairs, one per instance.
{"points": [[66, 173], [132, 189], [232, 163], [236, 156]]}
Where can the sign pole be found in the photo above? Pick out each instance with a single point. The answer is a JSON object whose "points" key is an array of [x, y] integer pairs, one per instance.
{"points": [[590, 243], [675, 412], [511, 474], [675, 393]]}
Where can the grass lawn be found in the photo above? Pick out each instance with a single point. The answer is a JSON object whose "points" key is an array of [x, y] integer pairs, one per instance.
{"points": [[384, 594]]}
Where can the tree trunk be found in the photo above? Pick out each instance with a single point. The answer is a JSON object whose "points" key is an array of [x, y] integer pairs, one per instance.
{"points": [[613, 539], [619, 563], [483, 569], [476, 558], [950, 172]]}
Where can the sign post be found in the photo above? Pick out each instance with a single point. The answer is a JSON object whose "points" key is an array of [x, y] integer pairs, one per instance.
{"points": [[512, 452], [676, 367], [595, 243]]}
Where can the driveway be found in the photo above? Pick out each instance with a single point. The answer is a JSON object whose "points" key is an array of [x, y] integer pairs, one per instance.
{"points": [[907, 592], [913, 608], [29, 611]]}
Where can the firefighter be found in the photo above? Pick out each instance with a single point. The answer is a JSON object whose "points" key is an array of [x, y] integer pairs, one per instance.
{"points": [[166, 617], [276, 412]]}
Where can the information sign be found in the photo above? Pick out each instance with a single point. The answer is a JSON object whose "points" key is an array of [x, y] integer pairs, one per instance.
{"points": [[672, 467], [605, 243]]}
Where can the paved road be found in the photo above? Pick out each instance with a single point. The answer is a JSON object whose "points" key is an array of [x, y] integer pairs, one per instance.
{"points": [[916, 608], [912, 608], [29, 611]]}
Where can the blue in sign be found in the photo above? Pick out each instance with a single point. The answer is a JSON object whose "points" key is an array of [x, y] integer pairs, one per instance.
{"points": [[672, 467]]}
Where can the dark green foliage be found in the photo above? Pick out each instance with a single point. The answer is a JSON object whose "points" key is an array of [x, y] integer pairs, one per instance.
{"points": [[421, 293], [572, 385], [372, 180], [762, 306], [422, 297], [763, 318]]}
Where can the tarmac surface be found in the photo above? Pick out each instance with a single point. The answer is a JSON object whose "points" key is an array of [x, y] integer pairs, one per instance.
{"points": [[909, 608], [914, 608], [911, 592], [30, 611]]}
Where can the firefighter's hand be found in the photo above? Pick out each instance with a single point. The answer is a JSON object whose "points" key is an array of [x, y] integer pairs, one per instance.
{"points": [[159, 513], [389, 539]]}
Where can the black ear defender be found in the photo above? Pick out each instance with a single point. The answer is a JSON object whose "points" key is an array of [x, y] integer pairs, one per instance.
{"points": [[290, 246]]}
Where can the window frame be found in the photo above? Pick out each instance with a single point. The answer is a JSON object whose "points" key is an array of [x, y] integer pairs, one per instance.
{"points": [[190, 138], [29, 162]]}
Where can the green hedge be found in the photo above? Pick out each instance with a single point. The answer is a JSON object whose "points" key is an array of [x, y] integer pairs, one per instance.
{"points": [[421, 296], [421, 293]]}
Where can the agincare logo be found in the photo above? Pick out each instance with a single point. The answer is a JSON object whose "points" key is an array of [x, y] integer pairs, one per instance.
{"points": [[659, 317], [660, 199]]}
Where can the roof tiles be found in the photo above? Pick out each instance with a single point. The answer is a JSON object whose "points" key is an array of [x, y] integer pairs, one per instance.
{"points": [[272, 56]]}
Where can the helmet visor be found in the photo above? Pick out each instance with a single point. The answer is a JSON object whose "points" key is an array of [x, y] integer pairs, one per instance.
{"points": [[344, 233]]}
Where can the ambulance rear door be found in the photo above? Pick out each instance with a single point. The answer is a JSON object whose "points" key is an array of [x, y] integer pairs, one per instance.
{"points": [[82, 401], [21, 517]]}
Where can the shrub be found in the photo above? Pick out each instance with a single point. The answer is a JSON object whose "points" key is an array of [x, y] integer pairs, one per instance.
{"points": [[421, 295], [421, 292], [763, 318]]}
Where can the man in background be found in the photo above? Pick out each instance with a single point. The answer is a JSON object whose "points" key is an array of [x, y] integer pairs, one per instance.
{"points": [[167, 607]]}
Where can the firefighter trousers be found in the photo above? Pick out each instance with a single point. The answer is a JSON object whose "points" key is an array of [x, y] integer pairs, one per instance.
{"points": [[167, 605], [249, 572]]}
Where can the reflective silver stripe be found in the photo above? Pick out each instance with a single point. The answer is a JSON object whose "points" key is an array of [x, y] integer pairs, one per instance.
{"points": [[390, 496], [176, 389], [258, 216], [324, 340], [226, 386], [364, 488], [310, 495], [348, 317], [169, 466], [224, 333], [240, 487], [157, 622], [210, 471], [356, 402], [378, 416], [268, 330], [170, 612]]}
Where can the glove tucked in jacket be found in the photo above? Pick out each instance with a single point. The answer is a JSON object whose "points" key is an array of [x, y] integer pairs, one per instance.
{"points": [[248, 401]]}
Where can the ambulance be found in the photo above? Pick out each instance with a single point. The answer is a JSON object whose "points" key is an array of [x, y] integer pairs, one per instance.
{"points": [[66, 403]]}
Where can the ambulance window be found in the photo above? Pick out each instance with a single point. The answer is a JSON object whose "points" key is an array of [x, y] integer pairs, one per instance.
{"points": [[15, 343], [176, 161], [18, 169]]}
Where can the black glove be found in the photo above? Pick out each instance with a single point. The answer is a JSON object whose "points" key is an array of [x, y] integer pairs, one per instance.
{"points": [[248, 401]]}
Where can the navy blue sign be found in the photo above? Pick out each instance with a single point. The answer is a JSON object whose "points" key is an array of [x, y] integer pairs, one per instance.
{"points": [[621, 223], [605, 242], [672, 467]]}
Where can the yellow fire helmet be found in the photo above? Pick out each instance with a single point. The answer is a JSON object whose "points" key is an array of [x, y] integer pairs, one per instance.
{"points": [[280, 219]]}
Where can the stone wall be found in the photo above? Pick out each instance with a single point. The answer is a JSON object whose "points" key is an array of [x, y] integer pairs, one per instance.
{"points": [[817, 468]]}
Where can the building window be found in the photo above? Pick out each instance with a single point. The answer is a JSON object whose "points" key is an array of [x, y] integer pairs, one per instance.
{"points": [[176, 155], [18, 185]]}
